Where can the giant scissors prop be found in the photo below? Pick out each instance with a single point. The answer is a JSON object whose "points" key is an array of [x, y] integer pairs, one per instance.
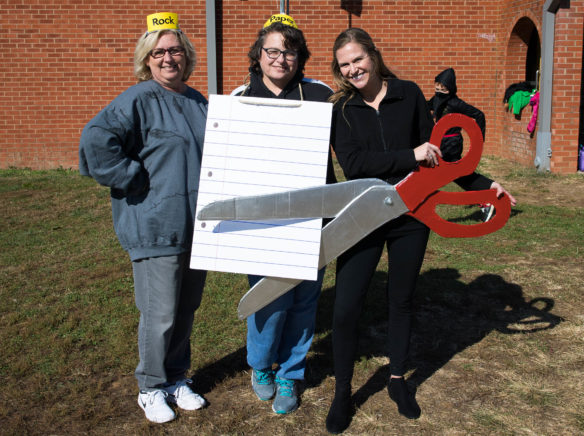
{"points": [[361, 206]]}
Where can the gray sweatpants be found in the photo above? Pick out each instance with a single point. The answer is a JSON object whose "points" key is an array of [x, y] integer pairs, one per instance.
{"points": [[167, 294]]}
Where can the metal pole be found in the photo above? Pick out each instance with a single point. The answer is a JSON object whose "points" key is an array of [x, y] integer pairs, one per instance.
{"points": [[285, 7], [211, 48], [543, 150]]}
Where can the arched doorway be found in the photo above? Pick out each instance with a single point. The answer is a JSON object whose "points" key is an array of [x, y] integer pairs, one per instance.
{"points": [[522, 72]]}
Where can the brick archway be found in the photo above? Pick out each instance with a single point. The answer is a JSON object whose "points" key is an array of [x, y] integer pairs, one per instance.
{"points": [[522, 57]]}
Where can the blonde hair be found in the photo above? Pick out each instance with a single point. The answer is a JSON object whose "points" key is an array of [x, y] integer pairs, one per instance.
{"points": [[358, 36], [148, 41]]}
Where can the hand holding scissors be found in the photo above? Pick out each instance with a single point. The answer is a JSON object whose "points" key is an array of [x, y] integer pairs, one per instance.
{"points": [[361, 206]]}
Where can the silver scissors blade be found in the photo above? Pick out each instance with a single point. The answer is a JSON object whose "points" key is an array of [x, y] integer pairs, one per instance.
{"points": [[367, 212], [324, 201]]}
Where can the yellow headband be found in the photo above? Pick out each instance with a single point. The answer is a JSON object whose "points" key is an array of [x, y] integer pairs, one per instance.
{"points": [[161, 21], [281, 18]]}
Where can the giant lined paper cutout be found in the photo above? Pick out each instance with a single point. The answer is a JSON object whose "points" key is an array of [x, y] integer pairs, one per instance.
{"points": [[259, 146]]}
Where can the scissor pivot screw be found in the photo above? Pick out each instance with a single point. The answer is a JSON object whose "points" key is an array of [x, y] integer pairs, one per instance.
{"points": [[388, 201]]}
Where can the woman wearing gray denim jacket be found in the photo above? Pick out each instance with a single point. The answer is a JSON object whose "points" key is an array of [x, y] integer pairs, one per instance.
{"points": [[146, 145]]}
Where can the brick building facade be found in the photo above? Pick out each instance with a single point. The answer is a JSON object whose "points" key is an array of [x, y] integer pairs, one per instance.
{"points": [[67, 59]]}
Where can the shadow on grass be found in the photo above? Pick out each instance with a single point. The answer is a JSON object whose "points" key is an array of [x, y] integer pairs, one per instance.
{"points": [[229, 366], [449, 316]]}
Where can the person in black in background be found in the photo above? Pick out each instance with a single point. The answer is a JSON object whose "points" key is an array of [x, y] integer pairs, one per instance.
{"points": [[445, 101]]}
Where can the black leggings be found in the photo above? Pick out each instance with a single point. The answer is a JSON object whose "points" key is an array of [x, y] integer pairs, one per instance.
{"points": [[406, 241]]}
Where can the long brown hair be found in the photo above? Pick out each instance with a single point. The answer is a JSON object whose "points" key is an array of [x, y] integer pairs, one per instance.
{"points": [[358, 36]]}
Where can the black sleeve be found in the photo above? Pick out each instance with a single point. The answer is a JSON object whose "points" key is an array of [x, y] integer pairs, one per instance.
{"points": [[330, 169], [356, 160], [474, 182], [425, 120], [430, 106], [461, 107]]}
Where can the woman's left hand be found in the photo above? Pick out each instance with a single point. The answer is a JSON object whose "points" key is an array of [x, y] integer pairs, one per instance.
{"points": [[501, 191]]}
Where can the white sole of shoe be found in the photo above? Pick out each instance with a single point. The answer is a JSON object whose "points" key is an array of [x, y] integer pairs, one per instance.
{"points": [[157, 420]]}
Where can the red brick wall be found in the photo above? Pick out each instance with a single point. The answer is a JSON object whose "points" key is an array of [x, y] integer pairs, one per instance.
{"points": [[66, 60], [566, 96], [74, 56]]}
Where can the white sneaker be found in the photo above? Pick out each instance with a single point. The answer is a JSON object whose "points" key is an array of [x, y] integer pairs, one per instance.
{"points": [[154, 405], [183, 396], [487, 211]]}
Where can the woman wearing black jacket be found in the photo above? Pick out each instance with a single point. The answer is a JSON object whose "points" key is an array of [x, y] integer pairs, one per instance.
{"points": [[381, 128], [281, 333]]}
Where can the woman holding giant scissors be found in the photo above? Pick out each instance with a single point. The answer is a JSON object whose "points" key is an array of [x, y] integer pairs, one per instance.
{"points": [[379, 123]]}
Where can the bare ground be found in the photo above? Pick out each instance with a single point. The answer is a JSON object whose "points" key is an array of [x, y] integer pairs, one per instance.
{"points": [[475, 370], [548, 190], [491, 354]]}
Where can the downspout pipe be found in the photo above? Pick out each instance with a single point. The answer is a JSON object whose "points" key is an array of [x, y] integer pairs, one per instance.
{"points": [[543, 151], [211, 47], [284, 7]]}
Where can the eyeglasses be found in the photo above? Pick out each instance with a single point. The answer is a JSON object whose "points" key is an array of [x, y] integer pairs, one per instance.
{"points": [[157, 53], [274, 53]]}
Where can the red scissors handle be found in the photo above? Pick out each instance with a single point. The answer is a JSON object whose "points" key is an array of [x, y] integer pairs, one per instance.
{"points": [[426, 213], [419, 190], [423, 181]]}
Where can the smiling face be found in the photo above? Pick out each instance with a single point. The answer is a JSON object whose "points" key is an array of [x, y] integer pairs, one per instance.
{"points": [[168, 70], [357, 67], [276, 73]]}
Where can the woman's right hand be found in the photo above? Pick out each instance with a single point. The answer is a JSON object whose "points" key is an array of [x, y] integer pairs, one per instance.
{"points": [[426, 154]]}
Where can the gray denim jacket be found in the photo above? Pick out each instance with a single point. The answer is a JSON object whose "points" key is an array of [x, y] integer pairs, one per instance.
{"points": [[147, 146]]}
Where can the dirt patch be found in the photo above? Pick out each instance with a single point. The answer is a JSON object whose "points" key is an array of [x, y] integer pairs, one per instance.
{"points": [[496, 348], [538, 189]]}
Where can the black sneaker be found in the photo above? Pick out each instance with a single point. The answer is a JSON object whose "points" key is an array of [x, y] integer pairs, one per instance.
{"points": [[341, 412], [406, 403]]}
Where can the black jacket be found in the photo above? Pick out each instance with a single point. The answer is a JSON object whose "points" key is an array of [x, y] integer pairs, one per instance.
{"points": [[311, 91], [380, 144], [370, 143], [452, 143], [443, 104]]}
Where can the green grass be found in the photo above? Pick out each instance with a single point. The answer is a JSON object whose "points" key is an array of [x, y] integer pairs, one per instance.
{"points": [[503, 307]]}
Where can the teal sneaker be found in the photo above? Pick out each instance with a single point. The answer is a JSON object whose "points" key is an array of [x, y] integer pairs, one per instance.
{"points": [[286, 400], [262, 382]]}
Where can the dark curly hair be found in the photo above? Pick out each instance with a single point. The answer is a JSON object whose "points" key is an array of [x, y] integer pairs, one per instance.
{"points": [[293, 40]]}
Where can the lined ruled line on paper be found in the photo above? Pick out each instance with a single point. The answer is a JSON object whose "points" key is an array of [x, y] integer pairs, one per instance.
{"points": [[255, 149]]}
